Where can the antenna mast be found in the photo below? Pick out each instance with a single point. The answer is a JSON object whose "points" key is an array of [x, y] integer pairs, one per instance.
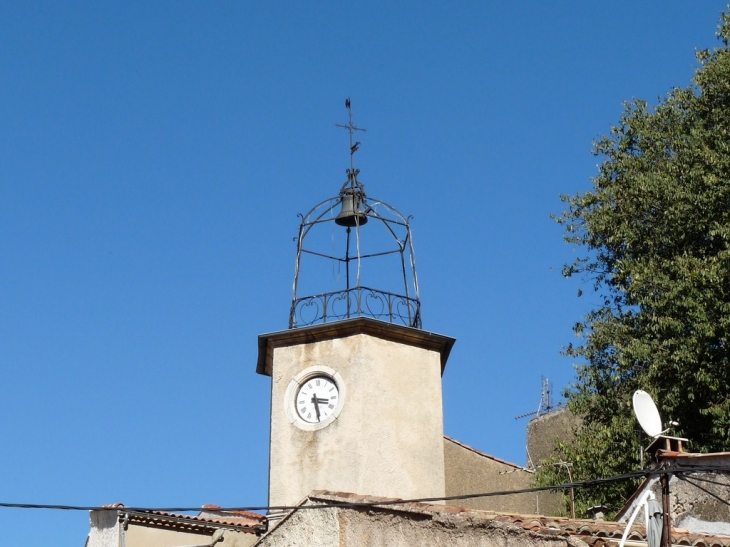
{"points": [[546, 400]]}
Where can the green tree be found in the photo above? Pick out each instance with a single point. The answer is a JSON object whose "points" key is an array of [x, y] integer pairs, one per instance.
{"points": [[655, 231]]}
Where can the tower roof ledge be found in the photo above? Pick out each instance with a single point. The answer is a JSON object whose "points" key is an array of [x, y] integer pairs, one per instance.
{"points": [[350, 327]]}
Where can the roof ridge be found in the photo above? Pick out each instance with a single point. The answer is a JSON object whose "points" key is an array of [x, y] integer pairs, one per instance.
{"points": [[193, 519], [484, 454], [580, 528]]}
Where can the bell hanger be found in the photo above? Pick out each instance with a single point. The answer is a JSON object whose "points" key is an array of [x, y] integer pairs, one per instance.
{"points": [[352, 193]]}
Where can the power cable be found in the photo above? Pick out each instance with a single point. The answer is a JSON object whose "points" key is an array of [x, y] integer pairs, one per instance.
{"points": [[701, 479], [564, 486]]}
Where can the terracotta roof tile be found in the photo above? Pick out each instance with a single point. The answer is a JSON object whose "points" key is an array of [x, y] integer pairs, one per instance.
{"points": [[666, 454], [215, 512], [237, 522], [209, 517]]}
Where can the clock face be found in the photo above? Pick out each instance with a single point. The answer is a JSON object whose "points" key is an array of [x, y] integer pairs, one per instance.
{"points": [[316, 399]]}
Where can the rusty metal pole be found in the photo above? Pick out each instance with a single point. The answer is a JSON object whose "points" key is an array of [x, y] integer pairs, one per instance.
{"points": [[572, 502], [572, 490], [667, 519]]}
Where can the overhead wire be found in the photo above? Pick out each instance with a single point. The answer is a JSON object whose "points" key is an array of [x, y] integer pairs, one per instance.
{"points": [[563, 486], [702, 479]]}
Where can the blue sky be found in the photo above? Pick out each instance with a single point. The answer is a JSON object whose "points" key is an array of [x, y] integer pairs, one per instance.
{"points": [[153, 159]]}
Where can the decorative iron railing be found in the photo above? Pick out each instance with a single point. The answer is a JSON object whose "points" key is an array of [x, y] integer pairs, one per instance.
{"points": [[355, 302]]}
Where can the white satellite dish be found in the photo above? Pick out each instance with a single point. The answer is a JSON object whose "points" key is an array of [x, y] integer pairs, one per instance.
{"points": [[647, 413]]}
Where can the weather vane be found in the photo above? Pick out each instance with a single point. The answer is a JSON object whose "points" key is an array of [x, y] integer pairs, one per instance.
{"points": [[353, 146]]}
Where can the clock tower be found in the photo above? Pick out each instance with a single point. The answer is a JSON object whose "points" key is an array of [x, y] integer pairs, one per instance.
{"points": [[355, 381]]}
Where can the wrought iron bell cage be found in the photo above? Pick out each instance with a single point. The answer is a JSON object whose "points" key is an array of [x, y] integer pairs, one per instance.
{"points": [[355, 239], [354, 214]]}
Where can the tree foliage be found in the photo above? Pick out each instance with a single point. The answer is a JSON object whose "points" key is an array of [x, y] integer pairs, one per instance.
{"points": [[655, 231]]}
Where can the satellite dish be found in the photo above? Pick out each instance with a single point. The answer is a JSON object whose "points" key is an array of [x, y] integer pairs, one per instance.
{"points": [[647, 413]]}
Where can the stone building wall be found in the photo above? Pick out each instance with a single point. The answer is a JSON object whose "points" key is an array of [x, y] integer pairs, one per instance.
{"points": [[705, 505], [699, 510], [404, 526], [469, 471], [544, 432]]}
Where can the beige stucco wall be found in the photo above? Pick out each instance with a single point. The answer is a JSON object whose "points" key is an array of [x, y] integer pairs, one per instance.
{"points": [[340, 527], [143, 536], [469, 472], [388, 439], [310, 528], [104, 529]]}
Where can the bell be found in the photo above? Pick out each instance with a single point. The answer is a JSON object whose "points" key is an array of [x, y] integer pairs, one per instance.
{"points": [[351, 215]]}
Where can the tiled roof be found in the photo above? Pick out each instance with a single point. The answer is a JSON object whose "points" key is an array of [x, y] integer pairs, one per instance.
{"points": [[694, 457], [489, 456], [597, 533], [212, 511], [210, 518]]}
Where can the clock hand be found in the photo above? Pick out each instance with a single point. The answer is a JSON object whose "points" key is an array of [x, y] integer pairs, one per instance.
{"points": [[315, 402]]}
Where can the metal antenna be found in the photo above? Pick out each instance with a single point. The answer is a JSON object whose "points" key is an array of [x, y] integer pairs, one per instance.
{"points": [[546, 401], [351, 172]]}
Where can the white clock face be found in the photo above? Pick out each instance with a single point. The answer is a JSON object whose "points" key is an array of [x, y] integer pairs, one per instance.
{"points": [[316, 399]]}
